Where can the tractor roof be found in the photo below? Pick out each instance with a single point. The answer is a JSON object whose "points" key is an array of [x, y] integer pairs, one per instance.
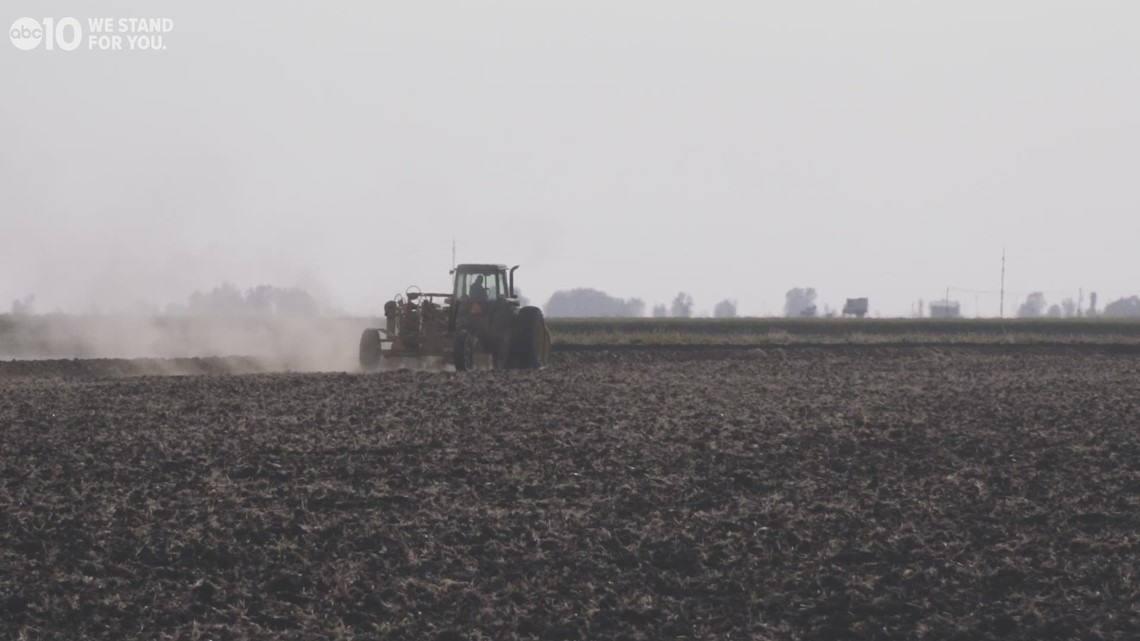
{"points": [[479, 268]]}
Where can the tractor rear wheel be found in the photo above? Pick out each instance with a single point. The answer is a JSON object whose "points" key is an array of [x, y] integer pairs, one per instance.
{"points": [[466, 346], [530, 340], [370, 349]]}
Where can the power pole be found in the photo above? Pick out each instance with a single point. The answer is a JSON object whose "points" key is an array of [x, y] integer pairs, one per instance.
{"points": [[1001, 313]]}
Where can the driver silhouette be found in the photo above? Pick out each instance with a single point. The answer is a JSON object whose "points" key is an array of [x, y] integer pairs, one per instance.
{"points": [[478, 291]]}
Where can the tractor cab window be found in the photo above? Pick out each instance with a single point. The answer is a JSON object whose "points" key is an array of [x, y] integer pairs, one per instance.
{"points": [[479, 287]]}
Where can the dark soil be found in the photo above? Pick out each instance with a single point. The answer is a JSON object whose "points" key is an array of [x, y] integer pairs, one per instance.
{"points": [[800, 494]]}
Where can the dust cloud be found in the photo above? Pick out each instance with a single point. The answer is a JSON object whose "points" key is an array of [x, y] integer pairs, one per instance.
{"points": [[265, 344]]}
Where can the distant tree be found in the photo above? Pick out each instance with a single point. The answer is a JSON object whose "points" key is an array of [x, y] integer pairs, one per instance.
{"points": [[682, 306], [143, 307], [799, 299], [1092, 304], [725, 309], [660, 311], [1033, 307], [585, 302], [1069, 308], [259, 300], [293, 301], [264, 300], [808, 312], [1123, 308], [26, 306], [222, 300], [1055, 311]]}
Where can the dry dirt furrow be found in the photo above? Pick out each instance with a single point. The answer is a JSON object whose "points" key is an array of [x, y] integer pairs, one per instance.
{"points": [[807, 494]]}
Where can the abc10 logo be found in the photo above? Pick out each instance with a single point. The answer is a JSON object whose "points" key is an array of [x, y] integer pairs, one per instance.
{"points": [[28, 33]]}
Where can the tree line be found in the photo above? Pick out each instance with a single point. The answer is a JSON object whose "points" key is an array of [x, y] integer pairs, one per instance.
{"points": [[801, 302], [1036, 306], [223, 300], [584, 302]]}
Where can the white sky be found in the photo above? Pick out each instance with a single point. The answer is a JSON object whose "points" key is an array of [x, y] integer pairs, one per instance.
{"points": [[727, 149]]}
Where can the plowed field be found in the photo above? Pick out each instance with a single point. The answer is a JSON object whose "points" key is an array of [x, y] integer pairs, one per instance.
{"points": [[871, 493]]}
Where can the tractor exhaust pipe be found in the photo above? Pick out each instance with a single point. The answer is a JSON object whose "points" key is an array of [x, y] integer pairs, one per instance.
{"points": [[512, 280]]}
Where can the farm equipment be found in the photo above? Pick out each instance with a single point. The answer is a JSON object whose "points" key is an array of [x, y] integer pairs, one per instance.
{"points": [[480, 316]]}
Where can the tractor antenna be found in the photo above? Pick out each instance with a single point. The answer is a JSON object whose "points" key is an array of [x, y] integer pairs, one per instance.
{"points": [[453, 253]]}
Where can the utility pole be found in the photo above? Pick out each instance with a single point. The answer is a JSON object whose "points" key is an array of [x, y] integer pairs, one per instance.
{"points": [[1001, 313]]}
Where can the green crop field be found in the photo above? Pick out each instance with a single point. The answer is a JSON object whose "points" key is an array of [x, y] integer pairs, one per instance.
{"points": [[832, 330]]}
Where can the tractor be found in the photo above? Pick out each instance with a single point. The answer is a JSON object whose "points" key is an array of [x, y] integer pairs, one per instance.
{"points": [[480, 317]]}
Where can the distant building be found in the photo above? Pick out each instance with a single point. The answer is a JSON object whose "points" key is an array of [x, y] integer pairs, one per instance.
{"points": [[945, 309]]}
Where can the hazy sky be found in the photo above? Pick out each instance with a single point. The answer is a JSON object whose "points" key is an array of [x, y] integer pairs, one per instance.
{"points": [[728, 149]]}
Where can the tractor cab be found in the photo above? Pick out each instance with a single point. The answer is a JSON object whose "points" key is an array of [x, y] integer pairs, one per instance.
{"points": [[483, 310], [483, 284]]}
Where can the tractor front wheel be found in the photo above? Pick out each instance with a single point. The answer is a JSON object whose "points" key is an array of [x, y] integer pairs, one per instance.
{"points": [[466, 346]]}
